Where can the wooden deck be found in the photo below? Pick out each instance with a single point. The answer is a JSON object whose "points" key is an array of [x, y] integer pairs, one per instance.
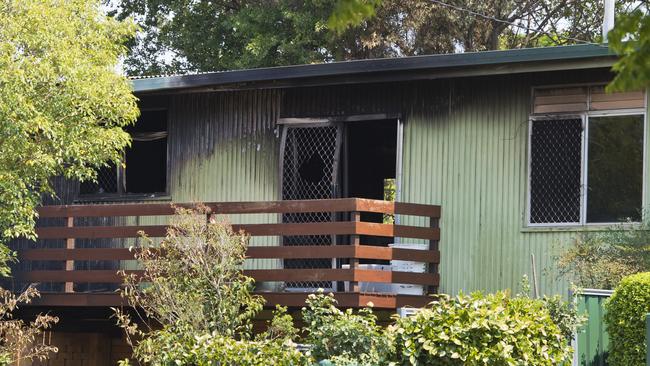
{"points": [[346, 225]]}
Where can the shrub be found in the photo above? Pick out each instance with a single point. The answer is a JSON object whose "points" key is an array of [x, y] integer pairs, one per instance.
{"points": [[479, 329], [343, 338], [601, 260], [625, 320], [564, 314], [183, 348], [19, 340], [194, 285]]}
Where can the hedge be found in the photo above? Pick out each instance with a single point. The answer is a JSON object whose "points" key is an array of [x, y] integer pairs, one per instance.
{"points": [[625, 320], [494, 329]]}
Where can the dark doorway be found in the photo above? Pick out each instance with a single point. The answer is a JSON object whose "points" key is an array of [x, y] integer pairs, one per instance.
{"points": [[336, 159], [370, 164]]}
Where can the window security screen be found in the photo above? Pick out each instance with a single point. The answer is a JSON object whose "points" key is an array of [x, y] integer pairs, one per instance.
{"points": [[309, 167], [106, 181], [555, 171], [604, 164]]}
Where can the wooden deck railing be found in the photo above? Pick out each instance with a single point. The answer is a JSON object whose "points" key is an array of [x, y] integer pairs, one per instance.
{"points": [[353, 253]]}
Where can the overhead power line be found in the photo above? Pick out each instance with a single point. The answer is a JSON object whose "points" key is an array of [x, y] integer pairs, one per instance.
{"points": [[495, 19]]}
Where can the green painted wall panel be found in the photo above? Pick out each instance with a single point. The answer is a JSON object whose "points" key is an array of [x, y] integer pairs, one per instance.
{"points": [[224, 147], [464, 148], [471, 158]]}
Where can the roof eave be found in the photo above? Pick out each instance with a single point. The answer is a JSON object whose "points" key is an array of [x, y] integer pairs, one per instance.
{"points": [[382, 70]]}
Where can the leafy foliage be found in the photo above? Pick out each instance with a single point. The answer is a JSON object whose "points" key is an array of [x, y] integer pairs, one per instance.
{"points": [[197, 283], [197, 309], [21, 341], [625, 320], [601, 260], [196, 300], [565, 314], [351, 13], [62, 104], [536, 23], [343, 338], [281, 327], [493, 329], [185, 348], [630, 39], [209, 35]]}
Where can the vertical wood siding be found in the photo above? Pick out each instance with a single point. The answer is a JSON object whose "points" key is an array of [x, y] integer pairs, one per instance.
{"points": [[465, 149], [224, 147]]}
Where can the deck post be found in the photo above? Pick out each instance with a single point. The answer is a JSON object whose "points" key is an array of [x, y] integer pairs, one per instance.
{"points": [[355, 216], [433, 245], [69, 264]]}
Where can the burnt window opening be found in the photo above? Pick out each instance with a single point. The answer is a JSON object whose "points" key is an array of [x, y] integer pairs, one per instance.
{"points": [[370, 167], [106, 181], [312, 170], [590, 175], [145, 162]]}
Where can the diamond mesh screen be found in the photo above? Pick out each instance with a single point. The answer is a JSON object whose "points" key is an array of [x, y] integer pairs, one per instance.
{"points": [[106, 182], [555, 168], [308, 172]]}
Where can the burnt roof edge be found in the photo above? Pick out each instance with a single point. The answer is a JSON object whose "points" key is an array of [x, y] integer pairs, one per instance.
{"points": [[299, 75]]}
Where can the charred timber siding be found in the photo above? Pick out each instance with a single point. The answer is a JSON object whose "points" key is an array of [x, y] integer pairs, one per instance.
{"points": [[221, 147], [224, 147], [465, 150]]}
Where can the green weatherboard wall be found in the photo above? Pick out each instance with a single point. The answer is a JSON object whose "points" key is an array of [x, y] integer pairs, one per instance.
{"points": [[472, 160], [464, 147]]}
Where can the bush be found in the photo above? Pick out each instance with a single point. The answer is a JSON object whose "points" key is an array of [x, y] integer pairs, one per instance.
{"points": [[479, 329], [565, 314], [172, 349], [601, 260], [625, 320], [19, 340], [343, 338], [194, 285]]}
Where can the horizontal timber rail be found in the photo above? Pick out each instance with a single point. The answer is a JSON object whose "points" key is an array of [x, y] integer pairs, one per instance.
{"points": [[294, 206], [363, 265]]}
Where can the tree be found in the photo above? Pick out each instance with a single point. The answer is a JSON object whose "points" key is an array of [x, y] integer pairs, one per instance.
{"points": [[197, 307], [496, 24], [62, 102], [209, 35], [630, 39]]}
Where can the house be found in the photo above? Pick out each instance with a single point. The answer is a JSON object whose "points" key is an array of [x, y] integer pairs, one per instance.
{"points": [[501, 156]]}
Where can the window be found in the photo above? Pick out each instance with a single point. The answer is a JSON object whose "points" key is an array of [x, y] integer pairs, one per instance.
{"points": [[145, 162], [555, 170], [614, 168], [586, 167]]}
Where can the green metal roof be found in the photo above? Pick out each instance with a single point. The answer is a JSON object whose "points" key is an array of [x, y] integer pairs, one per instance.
{"points": [[402, 68]]}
